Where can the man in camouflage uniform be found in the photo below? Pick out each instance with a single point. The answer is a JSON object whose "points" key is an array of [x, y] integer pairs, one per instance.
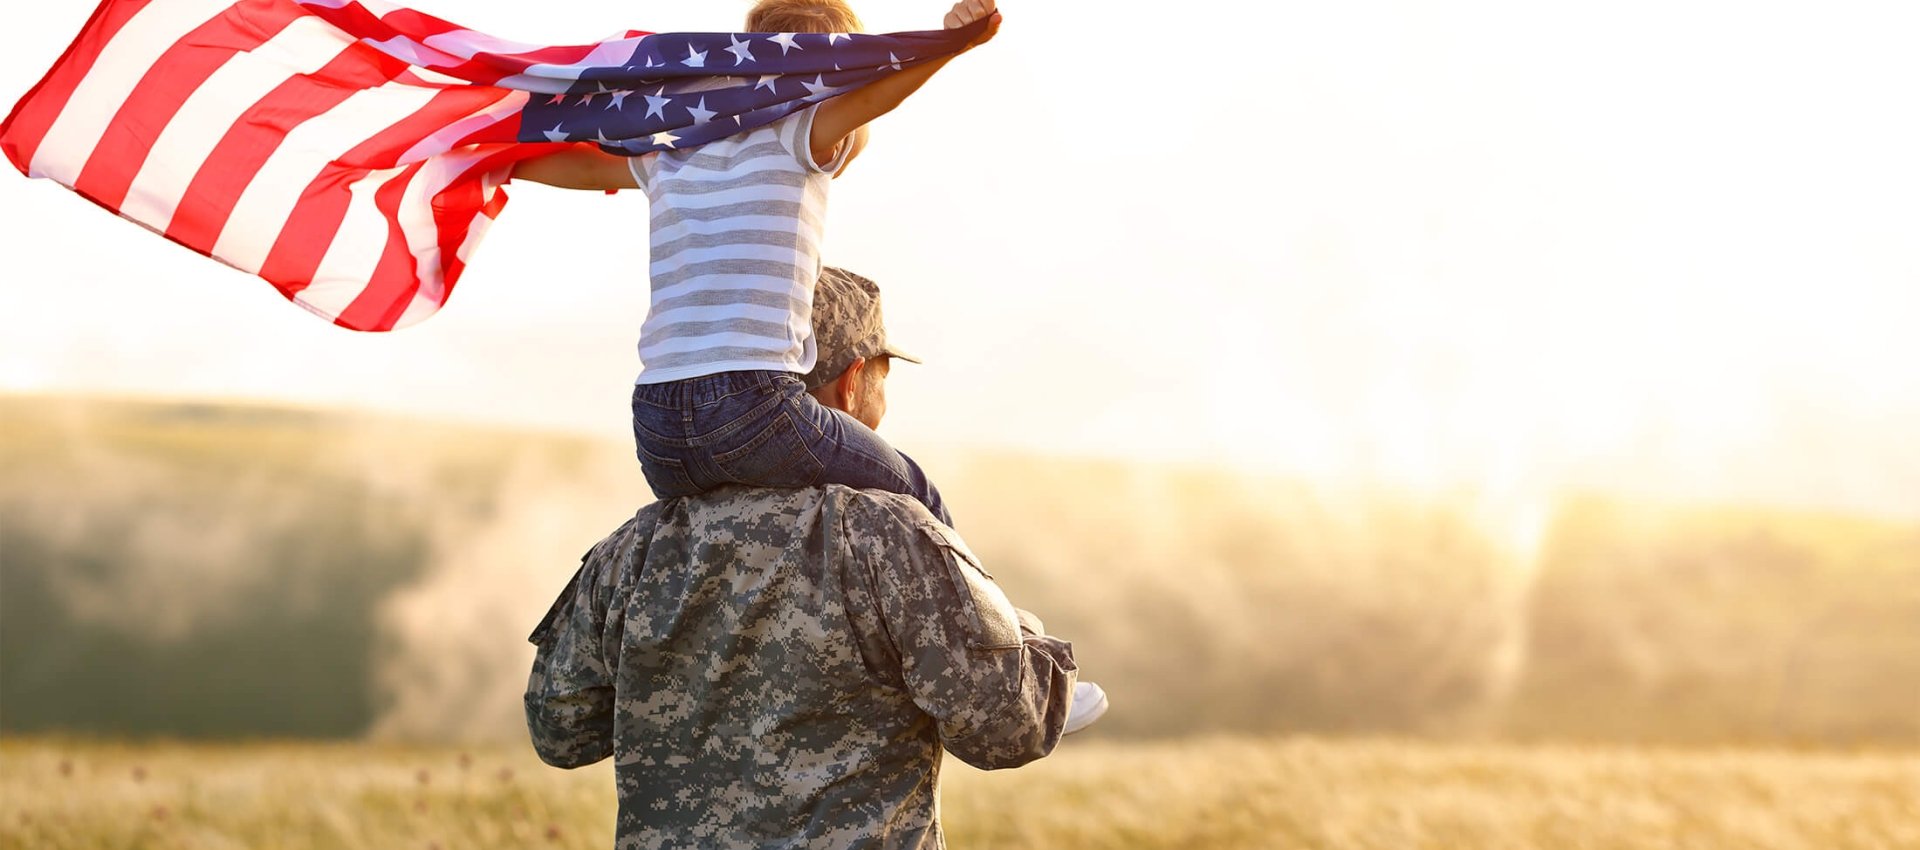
{"points": [[782, 668]]}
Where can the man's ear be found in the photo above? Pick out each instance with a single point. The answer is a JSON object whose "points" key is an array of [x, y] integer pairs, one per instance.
{"points": [[846, 388]]}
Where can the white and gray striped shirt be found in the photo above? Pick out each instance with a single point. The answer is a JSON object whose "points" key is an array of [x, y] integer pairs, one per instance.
{"points": [[735, 251]]}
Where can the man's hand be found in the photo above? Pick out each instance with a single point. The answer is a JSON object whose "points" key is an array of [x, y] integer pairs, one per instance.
{"points": [[968, 11]]}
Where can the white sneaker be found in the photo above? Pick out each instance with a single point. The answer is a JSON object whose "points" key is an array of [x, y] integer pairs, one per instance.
{"points": [[1089, 703]]}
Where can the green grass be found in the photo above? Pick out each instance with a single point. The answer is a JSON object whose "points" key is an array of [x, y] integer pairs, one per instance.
{"points": [[1218, 793]]}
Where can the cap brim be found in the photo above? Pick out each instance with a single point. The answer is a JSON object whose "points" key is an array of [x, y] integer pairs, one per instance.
{"points": [[897, 353]]}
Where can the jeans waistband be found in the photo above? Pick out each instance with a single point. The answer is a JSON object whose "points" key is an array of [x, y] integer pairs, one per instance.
{"points": [[708, 389]]}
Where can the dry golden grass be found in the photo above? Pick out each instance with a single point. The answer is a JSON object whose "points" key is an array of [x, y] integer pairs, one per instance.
{"points": [[1218, 793], [57, 794], [1347, 795]]}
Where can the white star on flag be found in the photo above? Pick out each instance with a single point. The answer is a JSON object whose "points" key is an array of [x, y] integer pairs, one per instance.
{"points": [[665, 139], [695, 58], [816, 87], [655, 103], [786, 42], [769, 82], [619, 100], [556, 134], [834, 38], [701, 114], [742, 53]]}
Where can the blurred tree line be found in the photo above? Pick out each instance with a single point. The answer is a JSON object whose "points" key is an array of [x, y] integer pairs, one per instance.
{"points": [[221, 571]]}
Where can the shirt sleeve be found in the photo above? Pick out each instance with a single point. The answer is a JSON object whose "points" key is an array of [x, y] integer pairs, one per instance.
{"points": [[637, 166], [998, 693], [796, 131], [569, 697]]}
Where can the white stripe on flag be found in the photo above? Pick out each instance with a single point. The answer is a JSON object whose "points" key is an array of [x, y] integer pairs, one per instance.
{"points": [[412, 52], [355, 252], [442, 140], [418, 309], [416, 208], [481, 221], [379, 8], [305, 46], [423, 238], [416, 218], [466, 44], [121, 65], [554, 79], [435, 78], [277, 188]]}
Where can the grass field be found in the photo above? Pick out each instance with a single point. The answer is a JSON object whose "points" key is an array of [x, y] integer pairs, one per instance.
{"points": [[1214, 793], [218, 571]]}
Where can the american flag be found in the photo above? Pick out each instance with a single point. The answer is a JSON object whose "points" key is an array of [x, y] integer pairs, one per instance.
{"points": [[352, 153]]}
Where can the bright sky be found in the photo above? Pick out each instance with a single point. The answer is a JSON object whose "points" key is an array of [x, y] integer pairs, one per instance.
{"points": [[1670, 247]]}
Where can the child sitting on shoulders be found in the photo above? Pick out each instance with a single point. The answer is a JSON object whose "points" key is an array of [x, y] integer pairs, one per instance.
{"points": [[736, 231]]}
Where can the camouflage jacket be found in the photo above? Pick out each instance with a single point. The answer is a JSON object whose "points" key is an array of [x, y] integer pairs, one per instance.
{"points": [[782, 668]]}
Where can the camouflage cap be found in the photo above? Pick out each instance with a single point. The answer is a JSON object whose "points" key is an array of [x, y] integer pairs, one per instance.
{"points": [[846, 325]]}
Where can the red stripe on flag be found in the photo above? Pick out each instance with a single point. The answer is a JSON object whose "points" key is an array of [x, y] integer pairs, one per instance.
{"points": [[498, 203], [453, 211], [217, 186], [484, 68], [401, 23], [298, 251], [27, 125], [360, 21], [309, 229], [384, 149], [490, 68], [394, 280], [417, 25], [123, 149], [455, 208]]}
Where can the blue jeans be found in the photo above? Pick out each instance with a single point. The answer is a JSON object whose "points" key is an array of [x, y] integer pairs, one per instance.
{"points": [[762, 429]]}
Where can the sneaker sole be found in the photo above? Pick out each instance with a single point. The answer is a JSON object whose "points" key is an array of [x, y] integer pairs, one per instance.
{"points": [[1075, 724]]}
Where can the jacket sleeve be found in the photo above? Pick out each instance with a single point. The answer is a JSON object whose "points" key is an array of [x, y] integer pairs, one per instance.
{"points": [[569, 697], [999, 693]]}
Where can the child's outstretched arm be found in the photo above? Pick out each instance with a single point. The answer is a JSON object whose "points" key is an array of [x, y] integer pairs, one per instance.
{"points": [[838, 117], [582, 166]]}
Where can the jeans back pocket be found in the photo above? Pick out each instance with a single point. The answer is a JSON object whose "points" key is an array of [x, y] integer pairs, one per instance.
{"points": [[772, 454]]}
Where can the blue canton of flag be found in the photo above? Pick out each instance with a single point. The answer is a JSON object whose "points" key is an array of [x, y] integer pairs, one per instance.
{"points": [[686, 89]]}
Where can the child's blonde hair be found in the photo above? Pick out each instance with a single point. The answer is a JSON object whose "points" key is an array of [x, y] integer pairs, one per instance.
{"points": [[802, 16]]}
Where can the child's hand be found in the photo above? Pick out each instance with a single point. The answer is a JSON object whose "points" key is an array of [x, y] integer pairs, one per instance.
{"points": [[968, 11]]}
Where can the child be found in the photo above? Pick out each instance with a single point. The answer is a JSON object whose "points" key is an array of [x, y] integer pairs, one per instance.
{"points": [[735, 252]]}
